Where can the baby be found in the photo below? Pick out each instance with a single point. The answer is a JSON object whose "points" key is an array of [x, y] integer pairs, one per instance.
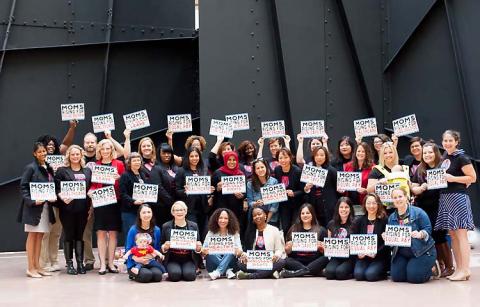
{"points": [[142, 249], [399, 174]]}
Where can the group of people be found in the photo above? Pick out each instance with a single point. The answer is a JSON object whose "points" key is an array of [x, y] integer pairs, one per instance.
{"points": [[326, 211]]}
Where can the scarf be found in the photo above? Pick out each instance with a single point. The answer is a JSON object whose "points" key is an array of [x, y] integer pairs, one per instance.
{"points": [[229, 171]]}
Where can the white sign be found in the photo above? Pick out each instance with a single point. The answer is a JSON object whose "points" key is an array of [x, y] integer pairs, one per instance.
{"points": [[405, 125], [197, 185], [102, 123], [148, 193], [312, 128], [273, 193], [273, 129], [72, 111], [233, 184], [183, 239], [104, 174], [55, 161], [365, 127], [221, 128], [349, 181], [238, 121], [103, 196], [396, 235], [335, 247], [73, 189], [384, 191], [259, 260], [136, 120], [221, 245], [180, 122], [304, 242], [436, 179], [315, 175], [363, 244], [42, 191]]}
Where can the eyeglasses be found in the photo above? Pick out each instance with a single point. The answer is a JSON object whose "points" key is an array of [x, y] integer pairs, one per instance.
{"points": [[257, 160]]}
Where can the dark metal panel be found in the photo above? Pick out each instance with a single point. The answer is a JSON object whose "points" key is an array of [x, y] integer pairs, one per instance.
{"points": [[364, 24], [404, 17], [344, 94], [302, 33], [238, 67]]}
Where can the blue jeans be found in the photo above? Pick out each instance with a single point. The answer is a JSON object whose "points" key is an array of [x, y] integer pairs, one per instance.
{"points": [[128, 220], [221, 263], [152, 264], [406, 267], [370, 269]]}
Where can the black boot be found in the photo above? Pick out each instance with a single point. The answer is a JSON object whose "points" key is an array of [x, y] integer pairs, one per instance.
{"points": [[68, 251], [297, 273], [79, 257]]}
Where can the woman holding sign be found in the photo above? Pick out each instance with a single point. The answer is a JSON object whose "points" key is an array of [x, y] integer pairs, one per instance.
{"points": [[428, 199], [340, 227], [234, 201], [323, 198], [108, 221], [215, 156], [145, 223], [262, 237], [288, 174], [37, 215], [362, 162], [198, 204], [128, 205], [305, 254], [181, 262], [312, 144], [222, 244], [455, 212], [73, 208], [261, 178], [373, 266], [411, 263], [274, 146]]}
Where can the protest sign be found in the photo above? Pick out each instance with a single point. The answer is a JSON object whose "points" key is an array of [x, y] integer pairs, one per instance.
{"points": [[335, 247], [197, 185], [136, 120], [349, 181], [148, 193], [363, 244], [273, 129], [273, 194], [180, 122], [405, 125], [384, 191], [221, 245], [233, 184], [183, 239], [72, 111], [103, 196], [102, 123], [42, 191], [312, 128], [259, 260], [365, 127], [55, 161], [238, 121], [314, 175], [221, 128], [73, 189], [436, 178], [104, 174], [304, 241], [396, 235]]}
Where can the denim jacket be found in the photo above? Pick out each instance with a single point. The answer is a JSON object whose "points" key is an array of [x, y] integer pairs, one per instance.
{"points": [[419, 221], [253, 196]]}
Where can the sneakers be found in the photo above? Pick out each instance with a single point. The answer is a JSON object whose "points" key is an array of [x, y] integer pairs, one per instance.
{"points": [[214, 274], [243, 275], [230, 274], [276, 275], [53, 268]]}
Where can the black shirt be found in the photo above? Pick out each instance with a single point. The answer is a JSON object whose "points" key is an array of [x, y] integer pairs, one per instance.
{"points": [[453, 165]]}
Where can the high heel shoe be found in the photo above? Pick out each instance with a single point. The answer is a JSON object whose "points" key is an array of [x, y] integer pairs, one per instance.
{"points": [[446, 272], [460, 276], [110, 270], [33, 274]]}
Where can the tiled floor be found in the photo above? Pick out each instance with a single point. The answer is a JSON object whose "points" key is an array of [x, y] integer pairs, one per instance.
{"points": [[116, 290]]}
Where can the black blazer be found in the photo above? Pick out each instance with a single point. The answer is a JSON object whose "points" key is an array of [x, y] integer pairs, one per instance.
{"points": [[127, 180], [194, 203], [30, 213], [165, 189], [166, 232], [67, 174]]}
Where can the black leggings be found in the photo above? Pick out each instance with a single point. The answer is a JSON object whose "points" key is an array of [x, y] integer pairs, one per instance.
{"points": [[340, 268], [145, 275], [181, 269], [73, 224], [315, 266]]}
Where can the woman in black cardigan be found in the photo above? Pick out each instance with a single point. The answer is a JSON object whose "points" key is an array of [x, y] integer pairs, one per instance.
{"points": [[36, 214], [73, 212], [323, 199], [372, 267], [181, 263]]}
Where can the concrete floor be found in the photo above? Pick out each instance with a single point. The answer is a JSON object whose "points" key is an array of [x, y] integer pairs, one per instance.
{"points": [[116, 290]]}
